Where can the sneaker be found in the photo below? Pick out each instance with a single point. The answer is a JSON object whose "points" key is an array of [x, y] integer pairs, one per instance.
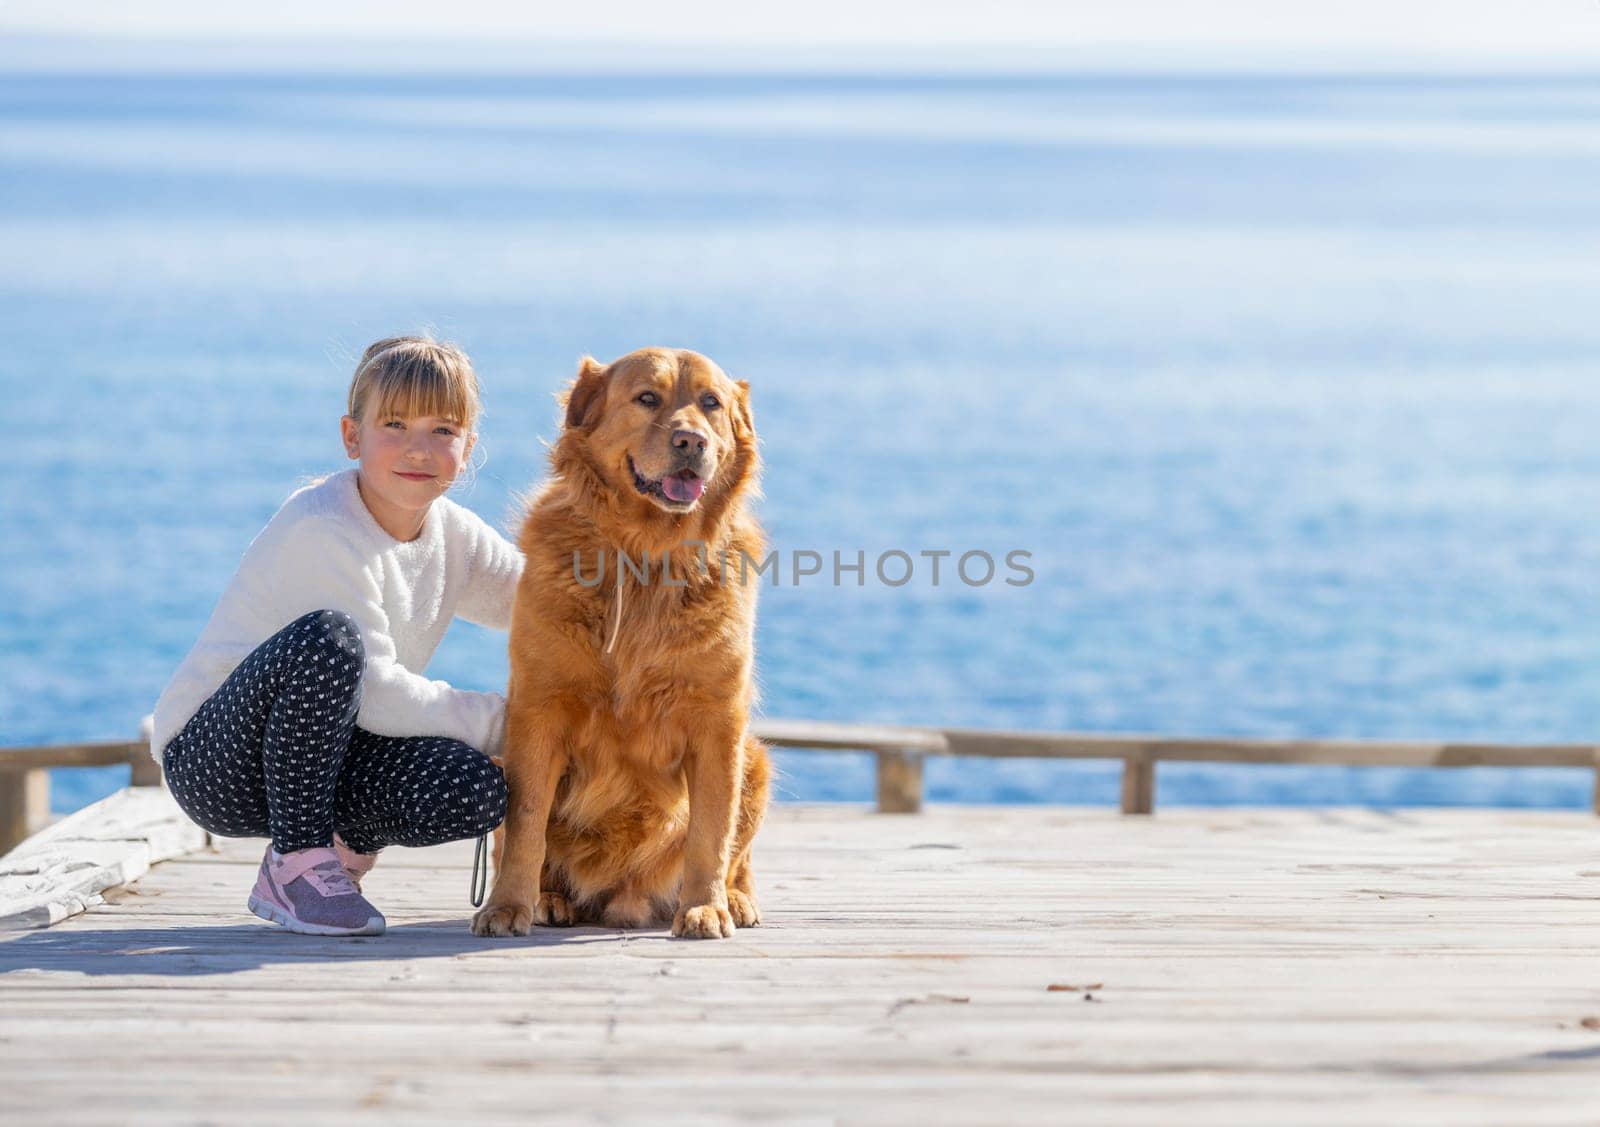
{"points": [[307, 891], [356, 865]]}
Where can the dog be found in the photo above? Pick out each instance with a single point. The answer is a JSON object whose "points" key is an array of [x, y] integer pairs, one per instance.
{"points": [[636, 786]]}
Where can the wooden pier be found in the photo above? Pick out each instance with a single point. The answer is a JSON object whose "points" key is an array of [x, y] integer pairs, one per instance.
{"points": [[971, 965], [966, 965]]}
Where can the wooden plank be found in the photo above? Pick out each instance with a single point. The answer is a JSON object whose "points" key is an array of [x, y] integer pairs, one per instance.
{"points": [[1371, 753], [824, 736], [64, 868], [1246, 967], [101, 753], [24, 805], [987, 743]]}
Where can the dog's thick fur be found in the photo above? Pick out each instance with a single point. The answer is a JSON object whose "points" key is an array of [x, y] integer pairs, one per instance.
{"points": [[636, 788]]}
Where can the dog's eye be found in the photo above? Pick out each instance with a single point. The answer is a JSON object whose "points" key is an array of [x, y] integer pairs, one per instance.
{"points": [[649, 399], [710, 402]]}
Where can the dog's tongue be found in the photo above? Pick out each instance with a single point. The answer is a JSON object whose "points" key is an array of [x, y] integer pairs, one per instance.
{"points": [[683, 488]]}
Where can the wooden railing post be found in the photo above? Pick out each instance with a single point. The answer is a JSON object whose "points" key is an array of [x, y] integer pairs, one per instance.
{"points": [[899, 782], [146, 772], [1139, 783], [24, 805]]}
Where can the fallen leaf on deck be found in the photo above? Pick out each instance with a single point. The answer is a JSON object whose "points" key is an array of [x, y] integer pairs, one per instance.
{"points": [[947, 998]]}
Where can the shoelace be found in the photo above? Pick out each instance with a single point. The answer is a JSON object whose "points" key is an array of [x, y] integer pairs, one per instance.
{"points": [[330, 879]]}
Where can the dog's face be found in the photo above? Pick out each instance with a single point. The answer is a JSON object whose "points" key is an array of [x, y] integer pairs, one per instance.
{"points": [[664, 424]]}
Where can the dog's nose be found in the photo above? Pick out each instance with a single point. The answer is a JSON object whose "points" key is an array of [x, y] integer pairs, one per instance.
{"points": [[689, 442]]}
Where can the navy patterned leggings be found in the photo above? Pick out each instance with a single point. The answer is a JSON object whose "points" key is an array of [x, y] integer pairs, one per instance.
{"points": [[275, 752]]}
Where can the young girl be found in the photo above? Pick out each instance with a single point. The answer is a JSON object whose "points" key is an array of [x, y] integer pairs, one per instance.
{"points": [[301, 713]]}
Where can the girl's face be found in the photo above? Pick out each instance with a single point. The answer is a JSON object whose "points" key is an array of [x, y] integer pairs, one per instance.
{"points": [[406, 465]]}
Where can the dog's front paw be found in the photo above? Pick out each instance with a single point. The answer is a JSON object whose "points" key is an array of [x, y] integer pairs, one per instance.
{"points": [[554, 910], [703, 921], [743, 909], [503, 919]]}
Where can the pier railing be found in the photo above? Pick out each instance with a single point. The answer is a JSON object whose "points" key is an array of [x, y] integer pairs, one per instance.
{"points": [[901, 752], [25, 779]]}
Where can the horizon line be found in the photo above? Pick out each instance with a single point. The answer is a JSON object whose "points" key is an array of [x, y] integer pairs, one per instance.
{"points": [[28, 53]]}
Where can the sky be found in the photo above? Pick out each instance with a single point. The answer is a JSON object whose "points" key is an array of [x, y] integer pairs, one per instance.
{"points": [[1558, 33]]}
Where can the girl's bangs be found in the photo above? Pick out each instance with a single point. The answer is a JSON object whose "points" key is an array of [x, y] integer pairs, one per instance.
{"points": [[411, 390]]}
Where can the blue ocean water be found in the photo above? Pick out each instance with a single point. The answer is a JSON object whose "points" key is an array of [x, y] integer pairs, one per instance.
{"points": [[1287, 384]]}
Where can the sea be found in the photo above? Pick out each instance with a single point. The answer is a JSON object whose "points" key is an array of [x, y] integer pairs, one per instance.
{"points": [[1286, 387]]}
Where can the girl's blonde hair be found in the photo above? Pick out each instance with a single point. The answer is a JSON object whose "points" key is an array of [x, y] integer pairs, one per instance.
{"points": [[411, 376]]}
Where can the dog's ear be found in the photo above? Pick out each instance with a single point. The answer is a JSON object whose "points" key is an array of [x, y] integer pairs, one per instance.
{"points": [[586, 396], [746, 420]]}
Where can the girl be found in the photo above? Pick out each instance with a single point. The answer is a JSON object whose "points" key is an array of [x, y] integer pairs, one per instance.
{"points": [[301, 713]]}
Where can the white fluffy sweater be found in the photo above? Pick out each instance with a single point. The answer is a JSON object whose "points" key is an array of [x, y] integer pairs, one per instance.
{"points": [[323, 550]]}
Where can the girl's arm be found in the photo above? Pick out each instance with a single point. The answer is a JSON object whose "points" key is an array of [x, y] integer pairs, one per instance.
{"points": [[495, 570], [320, 569]]}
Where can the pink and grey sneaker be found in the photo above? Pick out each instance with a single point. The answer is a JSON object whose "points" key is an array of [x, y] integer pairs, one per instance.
{"points": [[356, 865], [308, 891]]}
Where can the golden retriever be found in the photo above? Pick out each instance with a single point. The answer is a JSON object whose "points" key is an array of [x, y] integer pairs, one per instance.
{"points": [[636, 788]]}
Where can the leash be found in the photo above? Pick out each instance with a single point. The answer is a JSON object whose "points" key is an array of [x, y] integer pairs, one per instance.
{"points": [[480, 871], [617, 623]]}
